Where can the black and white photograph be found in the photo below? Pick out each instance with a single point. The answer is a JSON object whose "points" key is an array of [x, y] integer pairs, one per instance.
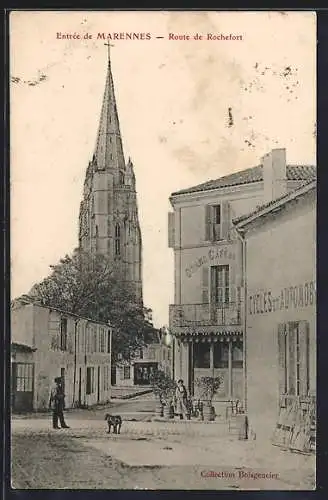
{"points": [[163, 192]]}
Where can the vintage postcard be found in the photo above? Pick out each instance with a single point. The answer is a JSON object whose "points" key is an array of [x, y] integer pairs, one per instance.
{"points": [[163, 250]]}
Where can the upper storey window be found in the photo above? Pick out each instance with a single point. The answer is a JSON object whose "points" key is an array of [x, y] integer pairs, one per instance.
{"points": [[217, 221]]}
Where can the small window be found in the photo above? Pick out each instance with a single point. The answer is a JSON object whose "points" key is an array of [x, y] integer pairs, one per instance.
{"points": [[117, 240], [24, 377], [151, 353], [216, 222], [102, 340], [121, 177], [217, 214], [108, 341], [62, 376], [202, 355], [63, 334], [90, 380], [94, 340], [220, 284], [126, 372]]}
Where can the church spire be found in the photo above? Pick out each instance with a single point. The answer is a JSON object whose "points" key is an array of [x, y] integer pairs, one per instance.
{"points": [[109, 150]]}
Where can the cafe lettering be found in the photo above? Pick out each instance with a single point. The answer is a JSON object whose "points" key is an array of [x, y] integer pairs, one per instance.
{"points": [[212, 254], [295, 297]]}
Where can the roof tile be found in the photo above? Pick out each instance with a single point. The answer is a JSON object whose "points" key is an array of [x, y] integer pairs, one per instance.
{"points": [[250, 175]]}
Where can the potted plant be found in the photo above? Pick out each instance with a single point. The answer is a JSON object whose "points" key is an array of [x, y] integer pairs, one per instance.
{"points": [[168, 397], [163, 388], [207, 387]]}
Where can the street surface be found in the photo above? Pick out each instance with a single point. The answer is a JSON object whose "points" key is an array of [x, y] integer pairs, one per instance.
{"points": [[147, 454]]}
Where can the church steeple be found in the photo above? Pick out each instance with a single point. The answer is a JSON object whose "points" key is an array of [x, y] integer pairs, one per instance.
{"points": [[109, 222], [109, 150]]}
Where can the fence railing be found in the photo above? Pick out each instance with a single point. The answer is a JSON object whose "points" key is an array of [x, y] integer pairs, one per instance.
{"points": [[205, 314]]}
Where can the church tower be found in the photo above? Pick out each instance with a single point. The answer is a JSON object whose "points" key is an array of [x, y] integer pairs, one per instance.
{"points": [[108, 221]]}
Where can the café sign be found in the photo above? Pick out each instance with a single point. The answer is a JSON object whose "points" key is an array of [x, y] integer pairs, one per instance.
{"points": [[212, 254], [293, 297]]}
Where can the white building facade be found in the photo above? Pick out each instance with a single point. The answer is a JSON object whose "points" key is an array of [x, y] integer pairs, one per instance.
{"points": [[49, 343], [280, 315], [206, 317]]}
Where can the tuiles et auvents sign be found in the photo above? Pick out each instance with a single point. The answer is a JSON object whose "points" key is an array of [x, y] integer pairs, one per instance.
{"points": [[293, 297], [212, 254]]}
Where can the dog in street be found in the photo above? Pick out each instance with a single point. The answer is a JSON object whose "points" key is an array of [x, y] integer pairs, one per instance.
{"points": [[115, 421]]}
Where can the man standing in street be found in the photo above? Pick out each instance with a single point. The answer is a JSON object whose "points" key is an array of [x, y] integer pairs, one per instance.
{"points": [[57, 404]]}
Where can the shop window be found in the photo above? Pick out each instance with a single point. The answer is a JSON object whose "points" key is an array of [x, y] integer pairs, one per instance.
{"points": [[237, 355], [202, 355], [63, 334], [221, 355], [126, 372], [90, 380]]}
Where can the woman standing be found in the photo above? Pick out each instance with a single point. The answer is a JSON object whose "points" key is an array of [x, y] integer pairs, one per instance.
{"points": [[181, 398]]}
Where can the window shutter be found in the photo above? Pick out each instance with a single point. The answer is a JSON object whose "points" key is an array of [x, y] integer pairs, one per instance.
{"points": [[291, 359], [208, 222], [225, 220], [282, 358], [171, 229], [205, 285], [303, 332]]}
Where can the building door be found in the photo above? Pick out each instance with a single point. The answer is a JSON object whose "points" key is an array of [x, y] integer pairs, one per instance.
{"points": [[98, 385], [22, 386], [80, 387]]}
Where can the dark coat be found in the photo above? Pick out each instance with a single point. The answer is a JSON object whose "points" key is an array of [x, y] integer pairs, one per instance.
{"points": [[57, 398]]}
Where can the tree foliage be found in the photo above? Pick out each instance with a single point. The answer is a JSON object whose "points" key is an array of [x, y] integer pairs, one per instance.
{"points": [[85, 284]]}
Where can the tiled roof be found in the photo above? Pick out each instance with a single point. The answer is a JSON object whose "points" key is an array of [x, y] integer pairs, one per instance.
{"points": [[250, 175], [310, 184]]}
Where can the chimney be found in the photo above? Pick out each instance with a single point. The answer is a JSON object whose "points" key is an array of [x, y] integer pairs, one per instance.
{"points": [[274, 175]]}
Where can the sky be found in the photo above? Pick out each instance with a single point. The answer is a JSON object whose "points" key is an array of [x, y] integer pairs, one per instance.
{"points": [[190, 111]]}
